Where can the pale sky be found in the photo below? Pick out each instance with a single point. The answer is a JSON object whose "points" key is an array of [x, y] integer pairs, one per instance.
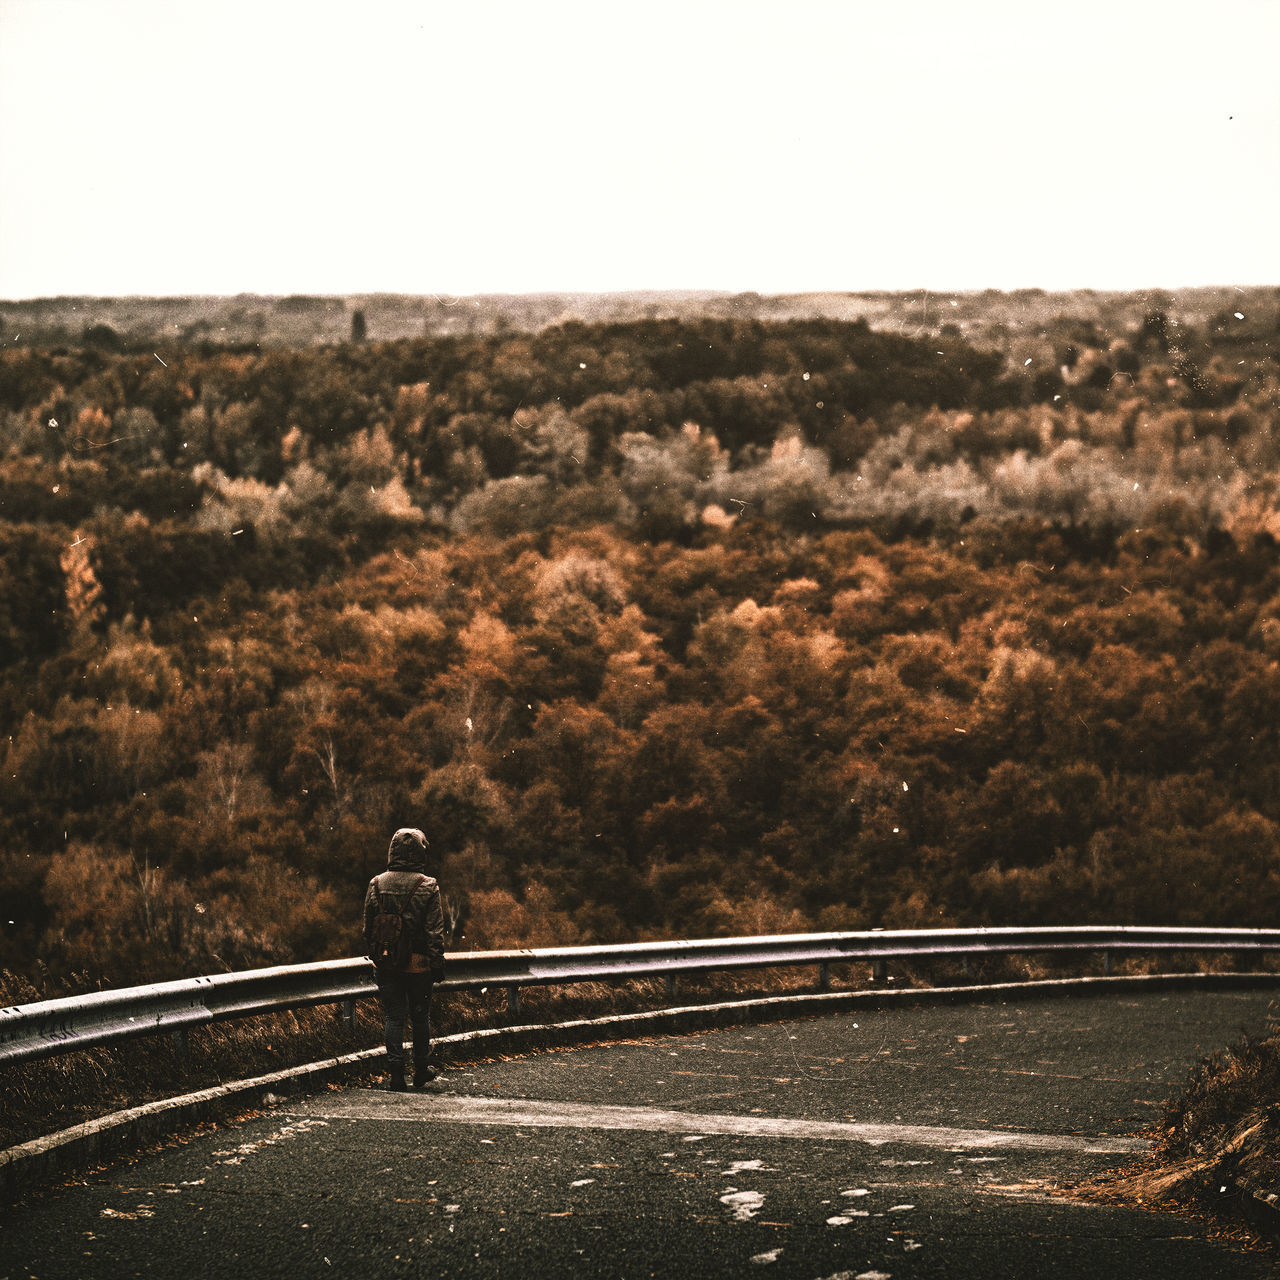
{"points": [[305, 146]]}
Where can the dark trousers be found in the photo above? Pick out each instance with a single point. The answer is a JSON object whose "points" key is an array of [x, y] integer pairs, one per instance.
{"points": [[404, 994]]}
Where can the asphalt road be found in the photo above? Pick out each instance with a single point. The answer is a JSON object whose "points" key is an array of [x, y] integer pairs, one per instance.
{"points": [[927, 1142]]}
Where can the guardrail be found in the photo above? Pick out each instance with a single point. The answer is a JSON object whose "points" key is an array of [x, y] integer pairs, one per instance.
{"points": [[80, 1022]]}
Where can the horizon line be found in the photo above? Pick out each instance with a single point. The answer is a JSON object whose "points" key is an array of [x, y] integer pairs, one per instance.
{"points": [[676, 292]]}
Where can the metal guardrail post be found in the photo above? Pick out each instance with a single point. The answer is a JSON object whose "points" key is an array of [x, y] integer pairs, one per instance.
{"points": [[670, 983], [1106, 963], [824, 976], [348, 1014], [513, 1001], [181, 1044], [879, 970]]}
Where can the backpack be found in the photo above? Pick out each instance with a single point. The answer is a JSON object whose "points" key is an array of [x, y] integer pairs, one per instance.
{"points": [[390, 943]]}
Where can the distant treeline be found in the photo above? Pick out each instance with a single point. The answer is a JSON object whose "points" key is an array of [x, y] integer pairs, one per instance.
{"points": [[253, 322], [664, 627]]}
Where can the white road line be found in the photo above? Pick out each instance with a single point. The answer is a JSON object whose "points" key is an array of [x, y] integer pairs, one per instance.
{"points": [[461, 1109]]}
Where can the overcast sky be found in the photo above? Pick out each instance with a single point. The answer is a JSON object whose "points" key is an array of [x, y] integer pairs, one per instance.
{"points": [[166, 147]]}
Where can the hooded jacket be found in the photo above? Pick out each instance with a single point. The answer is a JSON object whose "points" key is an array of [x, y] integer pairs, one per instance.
{"points": [[406, 888]]}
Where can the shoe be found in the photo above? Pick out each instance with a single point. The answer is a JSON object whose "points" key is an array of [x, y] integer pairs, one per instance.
{"points": [[395, 1081], [422, 1075]]}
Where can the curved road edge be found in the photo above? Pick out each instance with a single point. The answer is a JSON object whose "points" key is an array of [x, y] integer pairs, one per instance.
{"points": [[32, 1164]]}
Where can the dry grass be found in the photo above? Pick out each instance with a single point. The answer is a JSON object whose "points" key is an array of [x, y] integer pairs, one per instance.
{"points": [[1220, 1133], [1226, 1123]]}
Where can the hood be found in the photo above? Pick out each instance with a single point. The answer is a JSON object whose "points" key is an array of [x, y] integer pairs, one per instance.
{"points": [[408, 851]]}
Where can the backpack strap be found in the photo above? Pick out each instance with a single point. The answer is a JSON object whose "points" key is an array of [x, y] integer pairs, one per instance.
{"points": [[422, 877]]}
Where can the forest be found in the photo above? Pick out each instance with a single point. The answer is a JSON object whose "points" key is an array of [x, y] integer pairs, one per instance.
{"points": [[683, 626]]}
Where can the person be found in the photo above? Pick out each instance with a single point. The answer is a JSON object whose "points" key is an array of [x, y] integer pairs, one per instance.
{"points": [[405, 888]]}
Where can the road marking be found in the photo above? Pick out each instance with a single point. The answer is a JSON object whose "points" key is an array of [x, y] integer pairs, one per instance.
{"points": [[461, 1109]]}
